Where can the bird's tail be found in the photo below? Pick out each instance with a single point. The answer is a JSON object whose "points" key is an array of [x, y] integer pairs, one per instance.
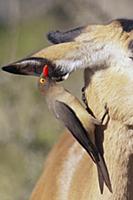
{"points": [[103, 174], [100, 180]]}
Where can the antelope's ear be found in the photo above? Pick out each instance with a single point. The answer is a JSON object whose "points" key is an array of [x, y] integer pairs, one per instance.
{"points": [[29, 66], [57, 37]]}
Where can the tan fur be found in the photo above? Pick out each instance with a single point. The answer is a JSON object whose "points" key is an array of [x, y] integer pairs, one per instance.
{"points": [[111, 85], [58, 51], [97, 45]]}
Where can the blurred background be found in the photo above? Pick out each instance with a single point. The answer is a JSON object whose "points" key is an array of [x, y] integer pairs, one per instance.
{"points": [[27, 129]]}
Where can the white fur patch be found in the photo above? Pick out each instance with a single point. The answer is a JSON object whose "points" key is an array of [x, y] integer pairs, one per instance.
{"points": [[68, 169], [98, 54], [70, 65]]}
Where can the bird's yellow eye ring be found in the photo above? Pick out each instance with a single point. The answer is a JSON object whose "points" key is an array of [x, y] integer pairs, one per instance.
{"points": [[42, 80]]}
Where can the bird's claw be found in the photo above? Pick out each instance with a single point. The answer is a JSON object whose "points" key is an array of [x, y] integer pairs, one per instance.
{"points": [[106, 113]]}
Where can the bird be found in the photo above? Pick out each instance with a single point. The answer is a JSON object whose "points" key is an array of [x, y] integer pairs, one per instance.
{"points": [[64, 105], [68, 109]]}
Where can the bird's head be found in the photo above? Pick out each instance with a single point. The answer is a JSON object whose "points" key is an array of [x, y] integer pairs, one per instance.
{"points": [[45, 81]]}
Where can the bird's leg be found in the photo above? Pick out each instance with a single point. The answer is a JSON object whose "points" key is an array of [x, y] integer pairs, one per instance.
{"points": [[106, 113], [85, 102], [83, 97]]}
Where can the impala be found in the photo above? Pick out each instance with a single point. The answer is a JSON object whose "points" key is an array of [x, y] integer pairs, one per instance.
{"points": [[106, 54]]}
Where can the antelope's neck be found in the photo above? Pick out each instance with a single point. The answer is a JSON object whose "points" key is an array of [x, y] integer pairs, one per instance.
{"points": [[117, 93]]}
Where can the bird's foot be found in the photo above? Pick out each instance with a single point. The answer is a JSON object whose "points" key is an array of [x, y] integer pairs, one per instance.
{"points": [[105, 117]]}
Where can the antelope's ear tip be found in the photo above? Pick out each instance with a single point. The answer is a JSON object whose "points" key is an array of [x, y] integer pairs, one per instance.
{"points": [[29, 66], [10, 68], [13, 69]]}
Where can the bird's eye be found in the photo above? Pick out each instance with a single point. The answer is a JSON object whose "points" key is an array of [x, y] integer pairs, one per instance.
{"points": [[42, 80]]}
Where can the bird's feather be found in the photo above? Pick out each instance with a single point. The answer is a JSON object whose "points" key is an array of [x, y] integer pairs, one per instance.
{"points": [[74, 125]]}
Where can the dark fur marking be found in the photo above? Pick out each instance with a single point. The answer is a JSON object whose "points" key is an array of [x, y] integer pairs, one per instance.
{"points": [[130, 45], [56, 72], [57, 37], [127, 24]]}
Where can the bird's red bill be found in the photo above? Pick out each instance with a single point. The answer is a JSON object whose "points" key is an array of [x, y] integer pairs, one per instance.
{"points": [[45, 71]]}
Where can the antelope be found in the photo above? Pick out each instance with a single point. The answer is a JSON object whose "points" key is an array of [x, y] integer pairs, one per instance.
{"points": [[106, 54]]}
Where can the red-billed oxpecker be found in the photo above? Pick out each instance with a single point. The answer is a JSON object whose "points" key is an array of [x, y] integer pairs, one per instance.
{"points": [[68, 109]]}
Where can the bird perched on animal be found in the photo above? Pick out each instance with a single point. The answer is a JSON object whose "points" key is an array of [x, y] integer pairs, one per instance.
{"points": [[97, 47], [68, 109]]}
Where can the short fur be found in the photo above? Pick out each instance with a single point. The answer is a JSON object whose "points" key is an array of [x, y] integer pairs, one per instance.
{"points": [[109, 82], [69, 173]]}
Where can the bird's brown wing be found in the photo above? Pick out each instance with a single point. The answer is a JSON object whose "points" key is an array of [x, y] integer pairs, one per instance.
{"points": [[71, 121], [74, 125], [57, 37]]}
